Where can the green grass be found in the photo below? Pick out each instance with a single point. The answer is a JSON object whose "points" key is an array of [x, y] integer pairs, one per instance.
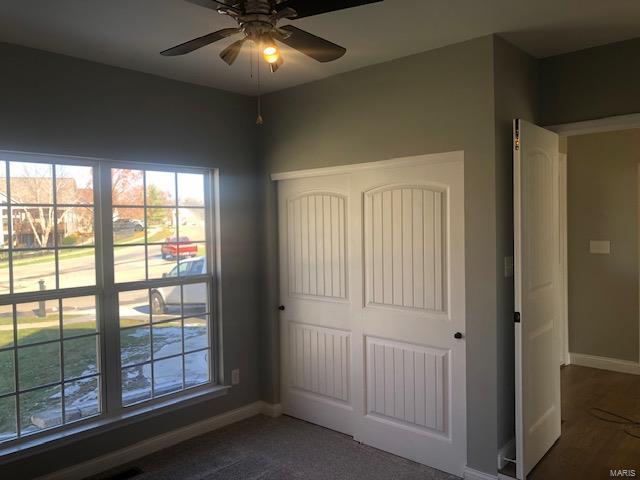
{"points": [[41, 365], [35, 259], [160, 235]]}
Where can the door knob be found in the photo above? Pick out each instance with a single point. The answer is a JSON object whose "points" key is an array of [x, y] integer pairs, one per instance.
{"points": [[457, 335], [281, 308]]}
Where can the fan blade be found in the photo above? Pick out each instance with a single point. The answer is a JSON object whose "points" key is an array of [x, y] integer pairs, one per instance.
{"points": [[275, 66], [230, 53], [315, 47], [215, 4], [199, 42], [306, 8]]}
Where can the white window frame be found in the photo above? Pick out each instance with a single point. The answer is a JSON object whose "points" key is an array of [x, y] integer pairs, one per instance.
{"points": [[113, 412]]}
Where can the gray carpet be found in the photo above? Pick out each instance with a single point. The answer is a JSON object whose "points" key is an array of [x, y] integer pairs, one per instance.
{"points": [[263, 448]]}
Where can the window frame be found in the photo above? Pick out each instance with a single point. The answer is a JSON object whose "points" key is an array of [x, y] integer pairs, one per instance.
{"points": [[112, 409]]}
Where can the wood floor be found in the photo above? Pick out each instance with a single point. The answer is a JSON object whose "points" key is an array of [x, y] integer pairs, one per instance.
{"points": [[588, 447]]}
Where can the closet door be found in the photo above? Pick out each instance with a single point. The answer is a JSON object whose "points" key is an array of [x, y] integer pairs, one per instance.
{"points": [[372, 285], [408, 331], [315, 318]]}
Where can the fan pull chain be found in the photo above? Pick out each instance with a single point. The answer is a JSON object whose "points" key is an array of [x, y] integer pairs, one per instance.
{"points": [[259, 120]]}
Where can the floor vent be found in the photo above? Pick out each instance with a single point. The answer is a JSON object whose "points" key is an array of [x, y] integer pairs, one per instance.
{"points": [[130, 472]]}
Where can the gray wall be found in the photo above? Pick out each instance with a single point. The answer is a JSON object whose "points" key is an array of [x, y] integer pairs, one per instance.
{"points": [[593, 83], [55, 104], [516, 96], [436, 101], [602, 198]]}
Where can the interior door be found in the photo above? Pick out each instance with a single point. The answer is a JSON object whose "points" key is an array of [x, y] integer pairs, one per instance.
{"points": [[315, 320], [409, 320], [537, 259]]}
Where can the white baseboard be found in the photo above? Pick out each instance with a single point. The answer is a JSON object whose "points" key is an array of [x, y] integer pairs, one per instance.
{"points": [[508, 450], [604, 363], [146, 447], [472, 474]]}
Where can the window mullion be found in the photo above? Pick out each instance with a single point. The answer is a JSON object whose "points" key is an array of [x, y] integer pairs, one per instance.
{"points": [[108, 304]]}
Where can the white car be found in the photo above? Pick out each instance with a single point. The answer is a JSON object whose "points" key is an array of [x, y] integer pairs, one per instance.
{"points": [[165, 299]]}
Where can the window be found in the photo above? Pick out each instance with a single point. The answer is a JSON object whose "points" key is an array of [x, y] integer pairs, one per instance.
{"points": [[98, 316]]}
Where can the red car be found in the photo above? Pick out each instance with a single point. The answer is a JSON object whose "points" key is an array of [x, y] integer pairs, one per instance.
{"points": [[178, 247]]}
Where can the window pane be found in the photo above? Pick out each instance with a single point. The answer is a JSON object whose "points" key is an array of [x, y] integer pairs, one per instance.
{"points": [[129, 264], [34, 271], [33, 226], [192, 223], [75, 226], [127, 187], [136, 384], [159, 263], [167, 339], [135, 345], [38, 365], [196, 368], [37, 322], [167, 375], [195, 299], [74, 184], [78, 316], [133, 308], [196, 265], [40, 409], [82, 398], [128, 226], [6, 326], [31, 182], [80, 357], [191, 189], [4, 273], [161, 188], [77, 267], [8, 421], [161, 223], [196, 333], [166, 302], [7, 373]]}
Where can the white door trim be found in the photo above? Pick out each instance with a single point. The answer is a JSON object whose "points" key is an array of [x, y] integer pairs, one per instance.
{"points": [[428, 159], [608, 124], [564, 256], [600, 125]]}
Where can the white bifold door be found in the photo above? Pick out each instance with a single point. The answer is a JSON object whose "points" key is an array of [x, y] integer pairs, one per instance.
{"points": [[537, 293], [372, 286]]}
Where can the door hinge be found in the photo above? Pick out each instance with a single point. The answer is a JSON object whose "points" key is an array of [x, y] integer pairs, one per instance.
{"points": [[516, 140], [516, 317]]}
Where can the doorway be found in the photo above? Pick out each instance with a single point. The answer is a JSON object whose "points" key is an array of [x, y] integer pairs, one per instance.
{"points": [[598, 328]]}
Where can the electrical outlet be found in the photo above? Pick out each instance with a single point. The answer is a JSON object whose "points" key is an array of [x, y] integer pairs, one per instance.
{"points": [[235, 376]]}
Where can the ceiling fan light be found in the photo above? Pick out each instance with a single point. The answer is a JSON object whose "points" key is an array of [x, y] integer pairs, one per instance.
{"points": [[271, 54]]}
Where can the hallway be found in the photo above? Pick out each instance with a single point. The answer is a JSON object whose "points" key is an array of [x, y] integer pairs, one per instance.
{"points": [[590, 447]]}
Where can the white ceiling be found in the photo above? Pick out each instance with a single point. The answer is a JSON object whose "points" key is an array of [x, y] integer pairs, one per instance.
{"points": [[130, 33]]}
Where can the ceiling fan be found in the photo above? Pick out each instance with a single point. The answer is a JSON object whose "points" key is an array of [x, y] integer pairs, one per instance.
{"points": [[258, 22]]}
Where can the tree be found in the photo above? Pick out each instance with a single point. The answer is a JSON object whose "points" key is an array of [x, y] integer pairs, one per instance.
{"points": [[127, 189], [32, 196], [34, 186], [155, 196]]}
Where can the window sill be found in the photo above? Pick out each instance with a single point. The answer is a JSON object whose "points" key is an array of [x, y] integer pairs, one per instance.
{"points": [[128, 416]]}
